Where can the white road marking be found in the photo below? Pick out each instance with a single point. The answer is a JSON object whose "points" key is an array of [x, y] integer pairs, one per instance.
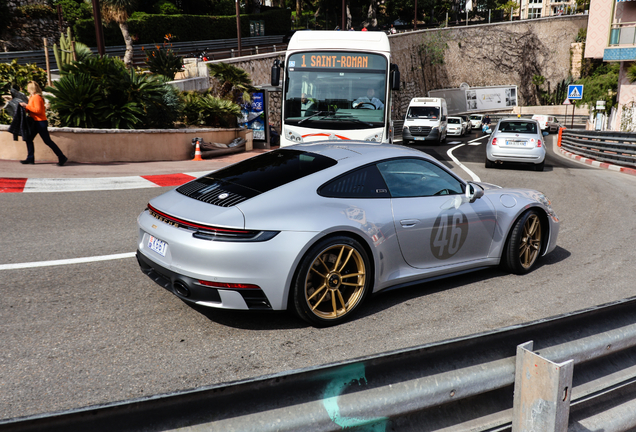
{"points": [[66, 261], [474, 142], [474, 176]]}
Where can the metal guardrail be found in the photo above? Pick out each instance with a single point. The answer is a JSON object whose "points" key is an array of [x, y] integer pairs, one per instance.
{"points": [[618, 148], [216, 49], [459, 385]]}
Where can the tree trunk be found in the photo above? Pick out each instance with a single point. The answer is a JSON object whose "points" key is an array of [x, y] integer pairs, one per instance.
{"points": [[128, 56], [372, 14], [298, 14]]}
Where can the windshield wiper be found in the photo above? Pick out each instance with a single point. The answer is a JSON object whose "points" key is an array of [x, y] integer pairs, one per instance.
{"points": [[316, 114], [357, 120]]}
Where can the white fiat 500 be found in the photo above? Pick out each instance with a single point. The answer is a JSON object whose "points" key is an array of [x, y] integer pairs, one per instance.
{"points": [[516, 140]]}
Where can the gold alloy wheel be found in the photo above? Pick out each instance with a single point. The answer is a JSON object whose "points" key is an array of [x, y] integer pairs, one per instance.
{"points": [[530, 244], [335, 282]]}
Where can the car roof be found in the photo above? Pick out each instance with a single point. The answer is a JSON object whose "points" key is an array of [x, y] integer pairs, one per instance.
{"points": [[356, 153]]}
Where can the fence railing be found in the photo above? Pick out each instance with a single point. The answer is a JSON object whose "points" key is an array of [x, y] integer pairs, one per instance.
{"points": [[618, 148], [461, 384], [216, 49]]}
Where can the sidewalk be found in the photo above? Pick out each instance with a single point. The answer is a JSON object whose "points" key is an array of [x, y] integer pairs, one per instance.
{"points": [[48, 177]]}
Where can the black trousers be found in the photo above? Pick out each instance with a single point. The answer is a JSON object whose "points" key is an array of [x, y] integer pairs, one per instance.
{"points": [[41, 127]]}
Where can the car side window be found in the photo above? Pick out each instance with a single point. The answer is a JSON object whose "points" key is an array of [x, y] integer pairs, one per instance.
{"points": [[418, 178], [365, 182]]}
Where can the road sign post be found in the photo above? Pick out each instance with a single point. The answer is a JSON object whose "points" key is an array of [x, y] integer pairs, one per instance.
{"points": [[575, 92]]}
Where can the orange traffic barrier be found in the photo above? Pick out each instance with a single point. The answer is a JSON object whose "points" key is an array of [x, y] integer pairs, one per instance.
{"points": [[561, 129], [197, 153]]}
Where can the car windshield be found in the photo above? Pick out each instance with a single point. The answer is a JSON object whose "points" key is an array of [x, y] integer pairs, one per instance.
{"points": [[519, 127], [322, 90], [474, 117], [454, 120], [422, 112]]}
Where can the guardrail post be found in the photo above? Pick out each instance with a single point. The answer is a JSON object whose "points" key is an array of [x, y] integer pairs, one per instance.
{"points": [[542, 392], [561, 129], [232, 52], [256, 49], [274, 48]]}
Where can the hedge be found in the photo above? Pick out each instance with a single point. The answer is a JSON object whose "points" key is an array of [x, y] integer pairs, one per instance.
{"points": [[153, 28]]}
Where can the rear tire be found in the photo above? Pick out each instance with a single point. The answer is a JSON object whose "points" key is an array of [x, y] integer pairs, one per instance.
{"points": [[539, 167], [524, 244], [489, 163], [332, 281]]}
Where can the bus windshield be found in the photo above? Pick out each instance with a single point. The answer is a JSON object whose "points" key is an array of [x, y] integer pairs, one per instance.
{"points": [[336, 90]]}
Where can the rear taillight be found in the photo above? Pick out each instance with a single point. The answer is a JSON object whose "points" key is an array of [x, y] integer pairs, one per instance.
{"points": [[229, 285], [494, 141], [538, 143]]}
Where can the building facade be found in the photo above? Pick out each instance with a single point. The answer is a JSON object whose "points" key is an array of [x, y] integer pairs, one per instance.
{"points": [[611, 36], [529, 9]]}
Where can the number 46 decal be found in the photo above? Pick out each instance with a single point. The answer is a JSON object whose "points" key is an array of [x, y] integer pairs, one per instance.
{"points": [[449, 233]]}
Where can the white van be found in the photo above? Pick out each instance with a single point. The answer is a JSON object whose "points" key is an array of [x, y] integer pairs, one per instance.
{"points": [[425, 120], [547, 122]]}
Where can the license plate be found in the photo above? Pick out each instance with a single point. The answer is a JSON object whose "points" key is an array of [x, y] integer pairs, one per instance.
{"points": [[157, 245], [419, 138], [515, 143]]}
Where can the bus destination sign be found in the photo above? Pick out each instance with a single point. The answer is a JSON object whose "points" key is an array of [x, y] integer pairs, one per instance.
{"points": [[336, 60]]}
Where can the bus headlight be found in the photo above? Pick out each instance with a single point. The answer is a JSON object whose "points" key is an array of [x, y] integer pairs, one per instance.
{"points": [[374, 138], [291, 136]]}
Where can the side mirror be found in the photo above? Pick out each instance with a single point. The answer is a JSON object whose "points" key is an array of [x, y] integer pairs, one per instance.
{"points": [[395, 77], [473, 192], [275, 77]]}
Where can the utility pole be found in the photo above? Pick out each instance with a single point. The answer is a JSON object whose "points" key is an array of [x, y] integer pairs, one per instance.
{"points": [[238, 27], [99, 30]]}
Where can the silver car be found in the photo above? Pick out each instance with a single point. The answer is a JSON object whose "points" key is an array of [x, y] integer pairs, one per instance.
{"points": [[318, 227], [516, 140]]}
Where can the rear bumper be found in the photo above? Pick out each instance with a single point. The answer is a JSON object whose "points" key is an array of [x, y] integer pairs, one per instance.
{"points": [[190, 290]]}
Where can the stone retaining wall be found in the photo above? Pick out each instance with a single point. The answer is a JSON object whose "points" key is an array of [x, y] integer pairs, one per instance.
{"points": [[118, 145]]}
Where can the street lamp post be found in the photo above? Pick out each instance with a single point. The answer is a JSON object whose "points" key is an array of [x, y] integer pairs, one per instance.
{"points": [[99, 30], [238, 27], [415, 21], [342, 27]]}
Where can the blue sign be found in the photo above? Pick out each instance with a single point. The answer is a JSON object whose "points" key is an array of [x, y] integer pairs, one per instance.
{"points": [[253, 116], [575, 91]]}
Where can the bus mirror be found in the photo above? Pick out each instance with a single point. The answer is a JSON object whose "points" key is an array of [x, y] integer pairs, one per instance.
{"points": [[276, 72], [395, 77]]}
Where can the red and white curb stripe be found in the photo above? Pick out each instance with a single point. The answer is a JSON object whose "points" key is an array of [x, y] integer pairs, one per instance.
{"points": [[19, 185], [595, 163]]}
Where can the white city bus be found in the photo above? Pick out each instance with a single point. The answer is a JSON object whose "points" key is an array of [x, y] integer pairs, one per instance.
{"points": [[336, 85]]}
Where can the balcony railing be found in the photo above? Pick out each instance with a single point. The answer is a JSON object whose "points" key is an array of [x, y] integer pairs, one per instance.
{"points": [[623, 34]]}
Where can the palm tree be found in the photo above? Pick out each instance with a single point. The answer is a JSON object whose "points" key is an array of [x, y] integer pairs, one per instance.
{"points": [[233, 80], [119, 11]]}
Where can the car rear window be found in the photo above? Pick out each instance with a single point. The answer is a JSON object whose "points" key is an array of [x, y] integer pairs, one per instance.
{"points": [[519, 127], [474, 117], [273, 169], [251, 177]]}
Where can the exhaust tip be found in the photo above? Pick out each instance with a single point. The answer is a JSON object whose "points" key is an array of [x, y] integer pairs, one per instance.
{"points": [[181, 289]]}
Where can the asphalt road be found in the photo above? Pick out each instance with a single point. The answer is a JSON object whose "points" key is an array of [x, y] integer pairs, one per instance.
{"points": [[85, 334]]}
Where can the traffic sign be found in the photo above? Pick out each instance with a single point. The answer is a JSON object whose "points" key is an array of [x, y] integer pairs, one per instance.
{"points": [[575, 91]]}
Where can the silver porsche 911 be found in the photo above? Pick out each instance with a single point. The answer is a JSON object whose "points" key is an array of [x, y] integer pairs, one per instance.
{"points": [[316, 228]]}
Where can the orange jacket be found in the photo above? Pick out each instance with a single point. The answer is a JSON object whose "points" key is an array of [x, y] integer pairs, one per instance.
{"points": [[36, 108]]}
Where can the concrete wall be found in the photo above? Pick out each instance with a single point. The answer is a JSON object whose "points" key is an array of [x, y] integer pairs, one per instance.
{"points": [[116, 145], [484, 55]]}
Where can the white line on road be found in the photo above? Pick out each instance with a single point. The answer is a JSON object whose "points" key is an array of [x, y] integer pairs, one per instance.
{"points": [[474, 176], [66, 261]]}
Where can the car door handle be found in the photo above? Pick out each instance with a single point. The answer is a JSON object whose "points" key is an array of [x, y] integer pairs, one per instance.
{"points": [[407, 223]]}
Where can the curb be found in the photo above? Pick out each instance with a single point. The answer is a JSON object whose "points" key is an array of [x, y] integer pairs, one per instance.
{"points": [[20, 185], [595, 163]]}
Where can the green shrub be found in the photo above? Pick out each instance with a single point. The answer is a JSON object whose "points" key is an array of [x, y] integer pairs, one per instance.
{"points": [[13, 75], [163, 61], [152, 28], [36, 11], [73, 11], [207, 110], [101, 93], [165, 7]]}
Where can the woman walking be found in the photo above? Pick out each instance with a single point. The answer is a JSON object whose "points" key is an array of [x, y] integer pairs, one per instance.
{"points": [[37, 111]]}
